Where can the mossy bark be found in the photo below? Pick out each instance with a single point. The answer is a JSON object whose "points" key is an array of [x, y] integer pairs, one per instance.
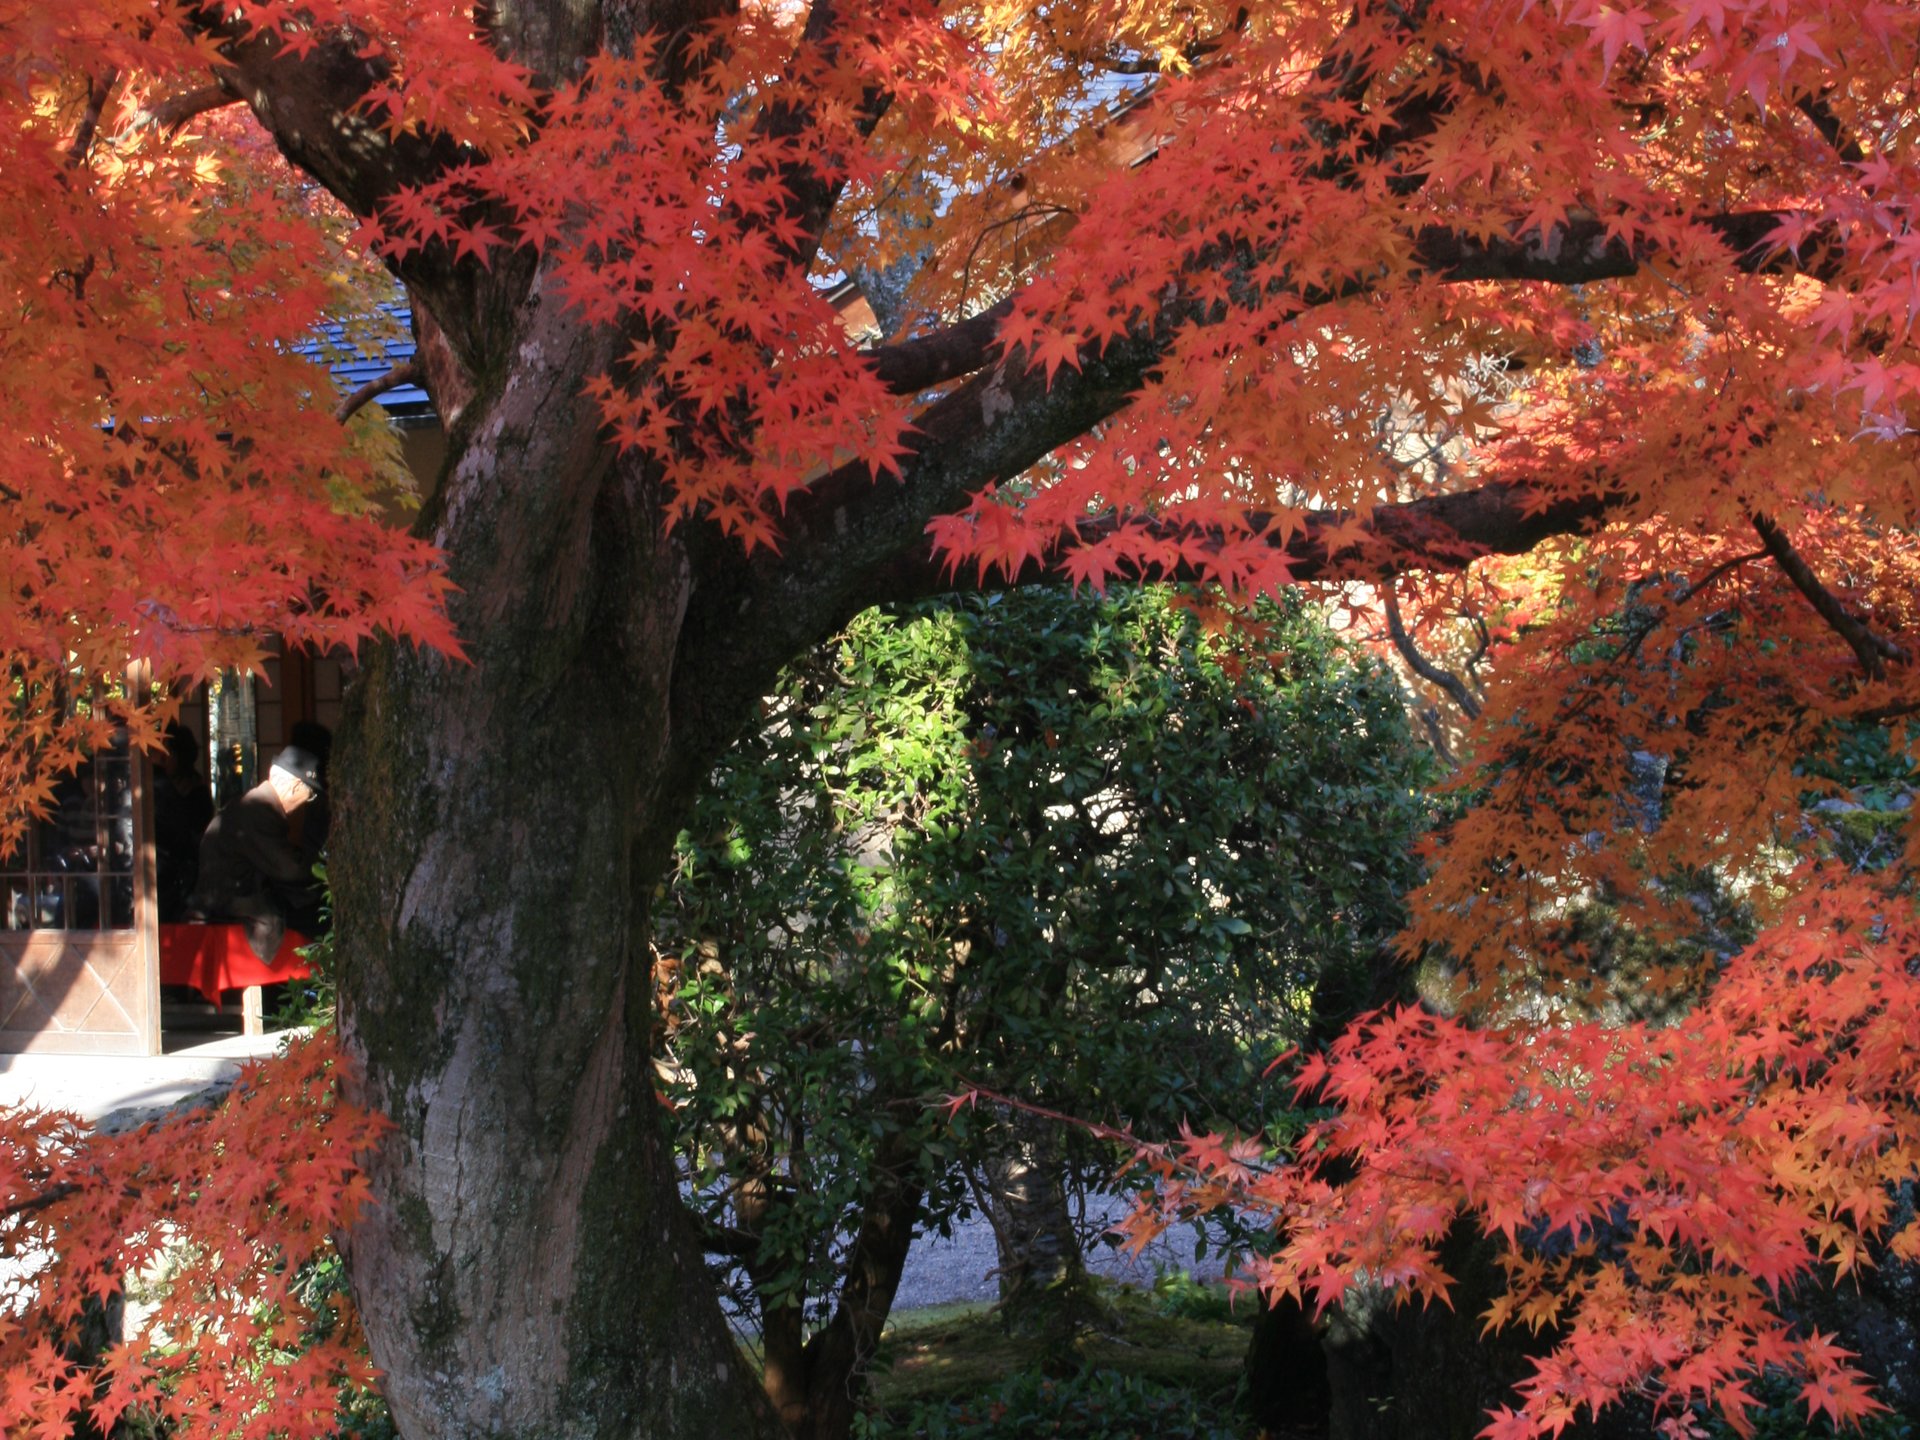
{"points": [[527, 1269]]}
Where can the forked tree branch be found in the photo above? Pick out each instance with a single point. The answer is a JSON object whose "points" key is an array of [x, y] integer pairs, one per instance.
{"points": [[1718, 573], [408, 372], [172, 113], [999, 422], [1452, 685], [1873, 651], [1004, 419], [99, 90], [313, 105], [1579, 252]]}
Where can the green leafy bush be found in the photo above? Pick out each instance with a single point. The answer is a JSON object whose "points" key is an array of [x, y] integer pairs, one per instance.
{"points": [[1784, 1417], [1076, 848], [1178, 1294], [312, 1000], [1092, 1405]]}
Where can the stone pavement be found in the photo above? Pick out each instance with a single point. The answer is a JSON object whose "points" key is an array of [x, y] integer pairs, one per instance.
{"points": [[93, 1086], [962, 1267]]}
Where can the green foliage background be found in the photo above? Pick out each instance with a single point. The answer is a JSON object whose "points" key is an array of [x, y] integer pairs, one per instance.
{"points": [[1070, 847]]}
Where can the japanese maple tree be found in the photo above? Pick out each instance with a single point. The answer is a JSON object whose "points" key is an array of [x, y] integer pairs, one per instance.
{"points": [[224, 1210], [1253, 294]]}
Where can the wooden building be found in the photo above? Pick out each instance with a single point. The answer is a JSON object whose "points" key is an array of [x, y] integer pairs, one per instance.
{"points": [[80, 940], [80, 937]]}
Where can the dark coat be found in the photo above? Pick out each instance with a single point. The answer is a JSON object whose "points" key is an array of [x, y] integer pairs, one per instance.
{"points": [[251, 871], [181, 815]]}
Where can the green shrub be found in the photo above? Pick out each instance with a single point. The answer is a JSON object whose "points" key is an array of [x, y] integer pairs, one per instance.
{"points": [[1177, 1294], [311, 1001], [1092, 1405], [1075, 848], [1784, 1417]]}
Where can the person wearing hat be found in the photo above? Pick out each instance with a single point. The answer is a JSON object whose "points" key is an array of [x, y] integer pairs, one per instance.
{"points": [[250, 869], [312, 825]]}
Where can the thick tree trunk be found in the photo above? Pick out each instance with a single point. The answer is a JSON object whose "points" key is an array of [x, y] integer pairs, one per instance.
{"points": [[1401, 1370], [1287, 1385], [527, 1269]]}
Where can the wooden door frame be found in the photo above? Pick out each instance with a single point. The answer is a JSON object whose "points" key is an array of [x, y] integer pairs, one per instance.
{"points": [[138, 946]]}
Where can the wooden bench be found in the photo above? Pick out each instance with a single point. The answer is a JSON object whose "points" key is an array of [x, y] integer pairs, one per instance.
{"points": [[215, 958]]}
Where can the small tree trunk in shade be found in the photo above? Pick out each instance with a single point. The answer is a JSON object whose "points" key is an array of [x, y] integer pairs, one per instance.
{"points": [[1043, 1278], [817, 1383], [1409, 1371]]}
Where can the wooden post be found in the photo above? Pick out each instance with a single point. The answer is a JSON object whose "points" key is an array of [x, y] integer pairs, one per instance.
{"points": [[146, 885]]}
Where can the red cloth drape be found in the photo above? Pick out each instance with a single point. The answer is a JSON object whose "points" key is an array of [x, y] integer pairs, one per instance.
{"points": [[212, 958]]}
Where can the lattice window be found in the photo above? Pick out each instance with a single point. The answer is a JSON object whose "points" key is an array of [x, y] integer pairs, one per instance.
{"points": [[75, 871]]}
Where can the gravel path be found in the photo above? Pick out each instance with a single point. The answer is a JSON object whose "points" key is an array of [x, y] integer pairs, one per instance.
{"points": [[941, 1270]]}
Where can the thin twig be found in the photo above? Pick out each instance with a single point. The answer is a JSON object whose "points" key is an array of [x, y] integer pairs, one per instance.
{"points": [[1114, 63], [1018, 218], [1713, 576]]}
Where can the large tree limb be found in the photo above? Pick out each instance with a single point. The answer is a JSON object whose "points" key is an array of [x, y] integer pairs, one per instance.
{"points": [[1434, 533], [311, 104], [50, 1196], [811, 197], [850, 541], [1832, 129], [175, 111], [408, 372], [946, 354], [998, 423], [1582, 250], [1579, 252]]}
